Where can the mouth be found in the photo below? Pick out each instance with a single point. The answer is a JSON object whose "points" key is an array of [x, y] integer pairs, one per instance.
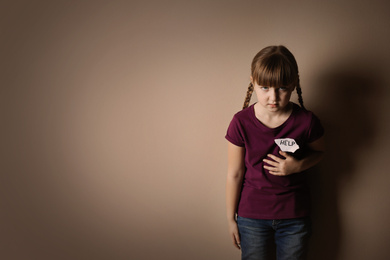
{"points": [[273, 105]]}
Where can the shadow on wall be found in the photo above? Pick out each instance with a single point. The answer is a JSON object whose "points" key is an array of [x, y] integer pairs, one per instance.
{"points": [[349, 97]]}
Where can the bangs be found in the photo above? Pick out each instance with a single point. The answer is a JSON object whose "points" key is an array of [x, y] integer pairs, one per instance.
{"points": [[275, 71]]}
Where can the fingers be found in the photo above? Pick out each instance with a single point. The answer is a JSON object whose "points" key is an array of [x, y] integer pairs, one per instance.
{"points": [[275, 158], [234, 234], [269, 168], [284, 154], [237, 242], [274, 166], [277, 173], [273, 163], [273, 170]]}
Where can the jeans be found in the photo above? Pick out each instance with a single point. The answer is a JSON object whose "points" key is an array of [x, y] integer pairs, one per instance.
{"points": [[259, 237]]}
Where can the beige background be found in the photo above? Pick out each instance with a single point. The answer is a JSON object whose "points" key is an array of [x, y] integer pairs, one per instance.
{"points": [[114, 115]]}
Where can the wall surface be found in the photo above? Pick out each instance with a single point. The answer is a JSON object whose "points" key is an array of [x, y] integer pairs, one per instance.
{"points": [[114, 115]]}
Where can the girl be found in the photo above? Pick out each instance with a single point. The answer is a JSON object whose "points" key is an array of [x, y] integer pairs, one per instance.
{"points": [[271, 144]]}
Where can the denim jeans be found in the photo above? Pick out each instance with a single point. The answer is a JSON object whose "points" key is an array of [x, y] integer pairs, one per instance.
{"points": [[259, 236]]}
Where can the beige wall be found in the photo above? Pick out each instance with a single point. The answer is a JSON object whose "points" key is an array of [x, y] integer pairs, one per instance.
{"points": [[114, 115]]}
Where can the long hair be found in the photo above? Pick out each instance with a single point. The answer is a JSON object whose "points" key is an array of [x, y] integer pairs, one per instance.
{"points": [[274, 66]]}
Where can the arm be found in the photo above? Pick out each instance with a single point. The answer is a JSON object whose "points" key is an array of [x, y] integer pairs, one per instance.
{"points": [[289, 165], [236, 170]]}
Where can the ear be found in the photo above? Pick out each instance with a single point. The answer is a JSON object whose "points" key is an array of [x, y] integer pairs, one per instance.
{"points": [[252, 80]]}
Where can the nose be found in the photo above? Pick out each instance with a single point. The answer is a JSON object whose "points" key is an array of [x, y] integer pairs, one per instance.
{"points": [[273, 95]]}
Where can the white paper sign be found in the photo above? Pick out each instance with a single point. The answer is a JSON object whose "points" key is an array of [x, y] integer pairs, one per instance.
{"points": [[287, 144]]}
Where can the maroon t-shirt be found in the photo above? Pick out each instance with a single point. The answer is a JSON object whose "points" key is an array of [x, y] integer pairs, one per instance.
{"points": [[263, 195]]}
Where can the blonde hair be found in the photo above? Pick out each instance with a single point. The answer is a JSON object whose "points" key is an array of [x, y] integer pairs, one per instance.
{"points": [[274, 66]]}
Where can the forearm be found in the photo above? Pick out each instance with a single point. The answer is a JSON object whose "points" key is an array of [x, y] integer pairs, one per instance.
{"points": [[235, 174], [233, 190], [310, 160]]}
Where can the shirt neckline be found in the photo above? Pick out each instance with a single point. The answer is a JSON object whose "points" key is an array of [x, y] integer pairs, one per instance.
{"points": [[259, 124]]}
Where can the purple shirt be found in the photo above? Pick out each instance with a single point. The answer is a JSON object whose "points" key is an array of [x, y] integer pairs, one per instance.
{"points": [[263, 195]]}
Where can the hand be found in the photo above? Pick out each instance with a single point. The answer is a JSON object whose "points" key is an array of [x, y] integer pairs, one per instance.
{"points": [[282, 167], [233, 231]]}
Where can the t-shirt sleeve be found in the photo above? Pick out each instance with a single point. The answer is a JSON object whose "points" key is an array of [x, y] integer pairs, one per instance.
{"points": [[234, 133], [316, 129]]}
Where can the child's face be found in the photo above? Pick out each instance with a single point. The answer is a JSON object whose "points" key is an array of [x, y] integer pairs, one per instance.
{"points": [[273, 99]]}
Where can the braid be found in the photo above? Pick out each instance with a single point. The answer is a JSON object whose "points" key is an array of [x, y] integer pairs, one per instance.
{"points": [[248, 96], [299, 92]]}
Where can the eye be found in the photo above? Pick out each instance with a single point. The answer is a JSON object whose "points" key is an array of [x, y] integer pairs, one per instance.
{"points": [[283, 88], [264, 88]]}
